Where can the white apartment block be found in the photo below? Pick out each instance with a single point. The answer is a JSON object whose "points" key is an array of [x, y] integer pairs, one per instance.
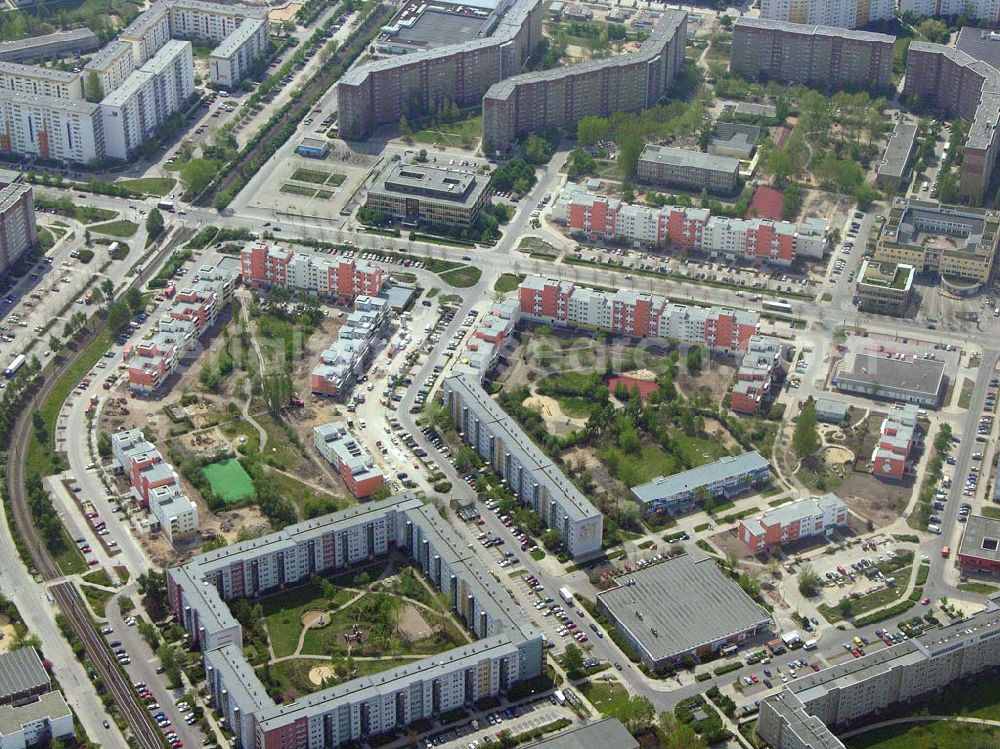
{"points": [[147, 33], [35, 723], [17, 223], [34, 80], [174, 510], [50, 128], [845, 14], [987, 10], [134, 111], [112, 66], [231, 61]]}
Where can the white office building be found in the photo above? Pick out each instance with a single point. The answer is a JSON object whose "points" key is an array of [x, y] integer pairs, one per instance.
{"points": [[133, 112], [231, 61], [38, 722], [174, 510]]}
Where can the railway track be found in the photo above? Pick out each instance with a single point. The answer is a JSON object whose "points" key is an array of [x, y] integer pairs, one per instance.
{"points": [[64, 593]]}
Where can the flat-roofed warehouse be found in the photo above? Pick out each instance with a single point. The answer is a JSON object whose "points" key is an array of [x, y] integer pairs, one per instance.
{"points": [[979, 550], [907, 380], [680, 608], [22, 676]]}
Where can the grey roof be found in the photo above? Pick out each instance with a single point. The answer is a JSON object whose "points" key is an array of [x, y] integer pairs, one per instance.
{"points": [[605, 734], [755, 109], [832, 406], [898, 150], [922, 377], [724, 468], [155, 65], [11, 194], [18, 70], [982, 44], [238, 675], [49, 705], [21, 671], [689, 603], [231, 44], [108, 54], [506, 30], [736, 134], [20, 49], [805, 29], [685, 158], [432, 182], [437, 27], [981, 538], [660, 36]]}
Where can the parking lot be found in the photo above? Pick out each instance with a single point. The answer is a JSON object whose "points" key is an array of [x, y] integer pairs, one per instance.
{"points": [[471, 734]]}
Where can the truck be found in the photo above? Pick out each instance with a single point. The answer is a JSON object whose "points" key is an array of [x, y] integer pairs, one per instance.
{"points": [[14, 366], [946, 552], [566, 595], [560, 697]]}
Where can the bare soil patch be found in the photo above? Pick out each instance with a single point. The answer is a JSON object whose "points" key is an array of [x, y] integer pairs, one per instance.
{"points": [[7, 636], [714, 377], [412, 624], [881, 502], [319, 674], [315, 618]]}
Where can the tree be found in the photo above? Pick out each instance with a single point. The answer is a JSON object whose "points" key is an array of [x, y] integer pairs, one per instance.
{"points": [[674, 734], [536, 149], [104, 444], [93, 90], [154, 224], [628, 153], [573, 661], [845, 608], [806, 440], [118, 317], [592, 130], [197, 174], [933, 30], [809, 580], [636, 713], [726, 21]]}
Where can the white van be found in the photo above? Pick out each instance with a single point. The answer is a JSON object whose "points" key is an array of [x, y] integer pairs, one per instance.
{"points": [[809, 645], [934, 529]]}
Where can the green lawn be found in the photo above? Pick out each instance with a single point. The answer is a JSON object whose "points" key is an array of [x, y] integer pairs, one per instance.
{"points": [[965, 397], [940, 735], [319, 177], [508, 282], [98, 577], [461, 134], [283, 613], [290, 679], [303, 496], [228, 480], [156, 186], [574, 406], [305, 192], [633, 469], [86, 214], [97, 598], [70, 560], [983, 589], [462, 278], [605, 695], [695, 451], [120, 228]]}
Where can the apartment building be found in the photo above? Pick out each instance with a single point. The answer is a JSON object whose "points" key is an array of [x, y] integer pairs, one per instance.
{"points": [[955, 84], [894, 169], [803, 518], [885, 287], [488, 339], [341, 279], [840, 14], [821, 56], [147, 33], [757, 240], [897, 437], [807, 711], [36, 723], [979, 550], [192, 311], [760, 370], [18, 232], [154, 484], [561, 97], [381, 92], [727, 477], [134, 111], [636, 314], [32, 80], [507, 649], [74, 42], [982, 10], [233, 59], [51, 128], [348, 356], [661, 165], [954, 243], [351, 460], [416, 194], [532, 477]]}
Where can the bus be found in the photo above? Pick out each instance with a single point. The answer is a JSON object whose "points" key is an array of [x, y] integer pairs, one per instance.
{"points": [[166, 205], [777, 306], [14, 366]]}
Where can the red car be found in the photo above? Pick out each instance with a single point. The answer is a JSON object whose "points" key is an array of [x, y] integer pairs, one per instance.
{"points": [[814, 666], [855, 652]]}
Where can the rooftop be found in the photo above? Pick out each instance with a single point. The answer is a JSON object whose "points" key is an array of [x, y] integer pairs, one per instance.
{"points": [[735, 135], [604, 734], [982, 44], [431, 182], [18, 70], [886, 275], [228, 46], [59, 37], [804, 29], [898, 150], [981, 539], [678, 605], [681, 157], [21, 671], [915, 375], [722, 469], [48, 705]]}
